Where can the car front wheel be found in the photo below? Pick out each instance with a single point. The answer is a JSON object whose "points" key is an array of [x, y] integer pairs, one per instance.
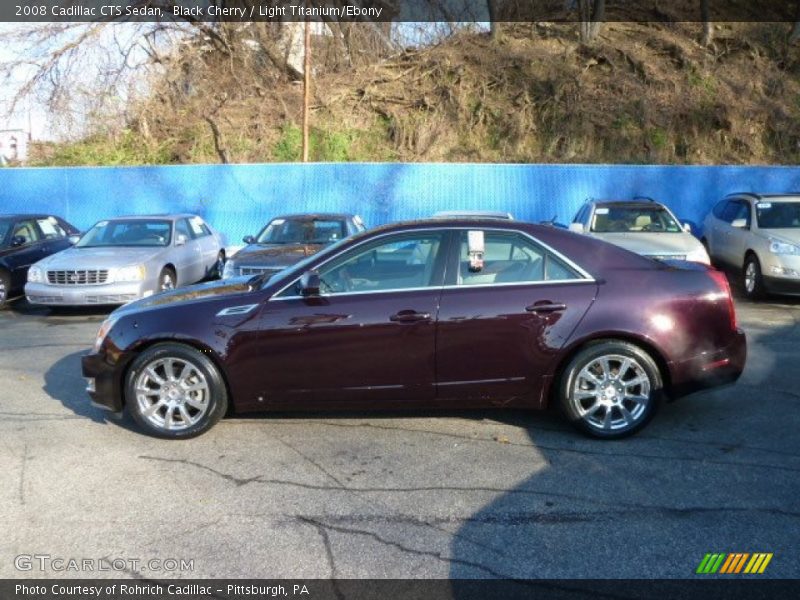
{"points": [[753, 280], [610, 389], [174, 391], [5, 289]]}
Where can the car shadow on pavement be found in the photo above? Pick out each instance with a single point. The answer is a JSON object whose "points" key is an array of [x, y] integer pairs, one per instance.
{"points": [[714, 472], [63, 382]]}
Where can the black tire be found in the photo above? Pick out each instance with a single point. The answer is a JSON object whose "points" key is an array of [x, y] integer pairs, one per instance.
{"points": [[5, 289], [167, 279], [582, 406], [175, 416], [219, 266], [752, 279]]}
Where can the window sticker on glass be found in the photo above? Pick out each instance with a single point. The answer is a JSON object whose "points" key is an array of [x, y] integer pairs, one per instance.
{"points": [[763, 205], [278, 222], [601, 211], [48, 227]]}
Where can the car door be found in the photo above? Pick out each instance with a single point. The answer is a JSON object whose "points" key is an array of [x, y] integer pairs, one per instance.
{"points": [[31, 250], [729, 237], [207, 243], [368, 338], [502, 321], [188, 257]]}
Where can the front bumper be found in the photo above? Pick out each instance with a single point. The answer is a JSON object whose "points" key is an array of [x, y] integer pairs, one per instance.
{"points": [[710, 369], [783, 286], [105, 387], [87, 295]]}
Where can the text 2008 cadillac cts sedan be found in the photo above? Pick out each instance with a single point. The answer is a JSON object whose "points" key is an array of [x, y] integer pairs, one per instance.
{"points": [[456, 313]]}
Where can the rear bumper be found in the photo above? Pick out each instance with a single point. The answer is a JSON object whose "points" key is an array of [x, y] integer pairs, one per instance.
{"points": [[104, 386], [710, 369]]}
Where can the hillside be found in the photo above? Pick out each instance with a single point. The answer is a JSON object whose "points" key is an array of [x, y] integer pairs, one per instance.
{"points": [[642, 93]]}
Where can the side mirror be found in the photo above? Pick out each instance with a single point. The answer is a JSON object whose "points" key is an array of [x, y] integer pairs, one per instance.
{"points": [[687, 227], [18, 240], [739, 223], [249, 239], [309, 283], [576, 227], [74, 238], [181, 240]]}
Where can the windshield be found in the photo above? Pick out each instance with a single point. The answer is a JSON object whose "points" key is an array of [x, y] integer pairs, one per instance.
{"points": [[634, 219], [300, 267], [130, 232], [293, 231], [5, 226], [778, 215]]}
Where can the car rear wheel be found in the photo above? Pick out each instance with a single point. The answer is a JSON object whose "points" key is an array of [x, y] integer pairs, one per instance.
{"points": [[5, 289], [753, 280], [219, 267], [174, 391], [166, 281], [610, 389]]}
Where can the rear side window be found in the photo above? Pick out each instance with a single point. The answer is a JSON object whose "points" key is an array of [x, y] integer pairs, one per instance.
{"points": [[198, 227], [735, 210], [51, 229], [719, 208], [510, 258]]}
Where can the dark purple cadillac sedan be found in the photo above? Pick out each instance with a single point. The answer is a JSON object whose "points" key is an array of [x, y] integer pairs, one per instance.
{"points": [[439, 313]]}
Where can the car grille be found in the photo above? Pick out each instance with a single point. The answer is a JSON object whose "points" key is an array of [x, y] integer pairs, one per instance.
{"points": [[85, 277], [250, 271], [667, 256]]}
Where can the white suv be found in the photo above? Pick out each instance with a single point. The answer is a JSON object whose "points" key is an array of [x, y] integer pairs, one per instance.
{"points": [[759, 235]]}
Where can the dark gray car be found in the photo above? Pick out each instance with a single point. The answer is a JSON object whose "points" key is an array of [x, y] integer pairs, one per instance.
{"points": [[288, 239]]}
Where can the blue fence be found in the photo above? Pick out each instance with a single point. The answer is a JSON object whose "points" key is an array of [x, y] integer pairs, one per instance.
{"points": [[239, 199]]}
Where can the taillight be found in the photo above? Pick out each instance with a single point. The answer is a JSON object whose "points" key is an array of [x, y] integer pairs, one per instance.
{"points": [[722, 282]]}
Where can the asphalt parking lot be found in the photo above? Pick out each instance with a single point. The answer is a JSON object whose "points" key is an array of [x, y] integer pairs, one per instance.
{"points": [[489, 494]]}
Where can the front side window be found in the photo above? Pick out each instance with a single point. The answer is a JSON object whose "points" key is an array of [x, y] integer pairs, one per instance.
{"points": [[633, 219], [778, 215], [130, 232], [294, 231], [510, 258], [26, 230], [399, 263], [182, 228]]}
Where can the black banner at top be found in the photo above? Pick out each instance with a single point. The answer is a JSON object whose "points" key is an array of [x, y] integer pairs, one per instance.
{"points": [[396, 10]]}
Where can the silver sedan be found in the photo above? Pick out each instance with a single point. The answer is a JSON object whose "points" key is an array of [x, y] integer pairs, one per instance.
{"points": [[124, 259]]}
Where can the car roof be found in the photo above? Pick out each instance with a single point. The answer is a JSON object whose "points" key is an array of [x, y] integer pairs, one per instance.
{"points": [[787, 197], [169, 217], [25, 216], [314, 216], [628, 203], [472, 214]]}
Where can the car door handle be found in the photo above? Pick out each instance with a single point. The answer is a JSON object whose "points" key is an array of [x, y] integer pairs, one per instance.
{"points": [[410, 316], [546, 307]]}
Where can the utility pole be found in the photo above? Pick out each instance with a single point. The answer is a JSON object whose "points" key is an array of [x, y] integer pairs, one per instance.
{"points": [[306, 86]]}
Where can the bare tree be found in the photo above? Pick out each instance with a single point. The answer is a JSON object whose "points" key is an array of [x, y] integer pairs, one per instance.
{"points": [[592, 14], [705, 16], [492, 8]]}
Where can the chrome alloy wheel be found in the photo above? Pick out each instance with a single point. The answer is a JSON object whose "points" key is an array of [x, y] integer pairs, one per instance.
{"points": [[750, 276], [611, 393], [172, 394], [167, 283]]}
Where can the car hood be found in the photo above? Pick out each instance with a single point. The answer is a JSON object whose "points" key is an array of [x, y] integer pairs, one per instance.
{"points": [[210, 290], [652, 243], [98, 258], [789, 235], [274, 255]]}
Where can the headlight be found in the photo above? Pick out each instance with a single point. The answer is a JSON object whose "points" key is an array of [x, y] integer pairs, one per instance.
{"points": [[229, 270], [104, 329], [35, 274], [699, 255], [778, 247], [135, 273]]}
